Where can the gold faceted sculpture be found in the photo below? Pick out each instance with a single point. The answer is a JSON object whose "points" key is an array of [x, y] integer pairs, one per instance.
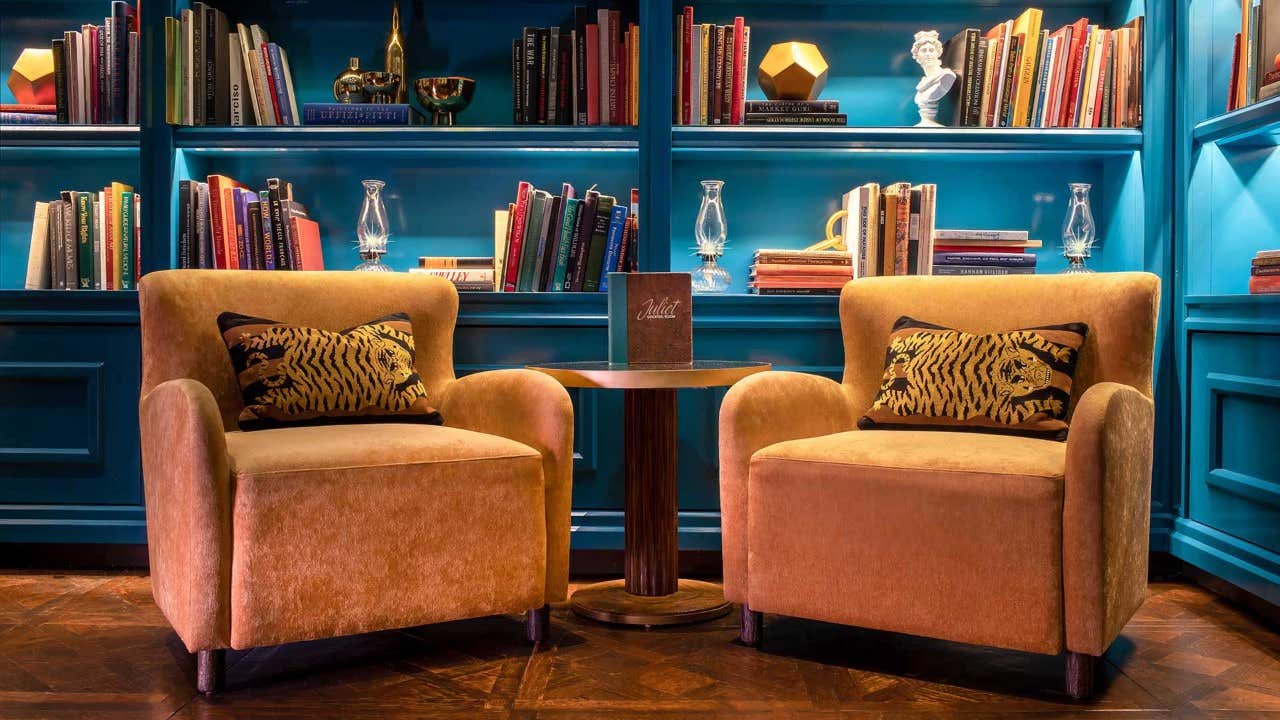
{"points": [[32, 78], [792, 71]]}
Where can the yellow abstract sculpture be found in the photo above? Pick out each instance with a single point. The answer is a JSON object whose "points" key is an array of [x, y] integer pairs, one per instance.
{"points": [[32, 78], [792, 71]]}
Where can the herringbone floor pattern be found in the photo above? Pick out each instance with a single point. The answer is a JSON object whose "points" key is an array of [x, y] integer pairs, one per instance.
{"points": [[95, 646]]}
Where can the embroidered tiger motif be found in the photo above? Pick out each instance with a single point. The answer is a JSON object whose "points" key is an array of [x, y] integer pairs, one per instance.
{"points": [[944, 377], [299, 375]]}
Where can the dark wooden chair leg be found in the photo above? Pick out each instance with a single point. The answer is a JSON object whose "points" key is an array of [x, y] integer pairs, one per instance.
{"points": [[752, 626], [1081, 669], [537, 623], [211, 670]]}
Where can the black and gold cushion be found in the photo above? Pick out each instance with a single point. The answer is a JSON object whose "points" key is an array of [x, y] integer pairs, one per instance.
{"points": [[1016, 382], [292, 375]]}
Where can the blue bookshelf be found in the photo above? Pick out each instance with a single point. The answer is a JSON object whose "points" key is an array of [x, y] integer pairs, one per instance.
{"points": [[1175, 197], [1228, 382]]}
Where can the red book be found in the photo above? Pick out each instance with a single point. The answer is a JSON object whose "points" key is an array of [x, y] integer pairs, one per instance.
{"points": [[226, 252], [109, 242], [593, 74], [615, 73], [1233, 102], [271, 84], [512, 263], [624, 81], [686, 53], [1071, 88], [28, 108], [1264, 284], [978, 248], [95, 90], [739, 71], [310, 254]]}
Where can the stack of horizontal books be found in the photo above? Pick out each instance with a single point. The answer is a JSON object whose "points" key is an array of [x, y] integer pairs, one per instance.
{"points": [[1264, 275], [468, 274], [563, 243], [225, 225], [795, 112], [86, 240], [800, 272], [983, 252]]}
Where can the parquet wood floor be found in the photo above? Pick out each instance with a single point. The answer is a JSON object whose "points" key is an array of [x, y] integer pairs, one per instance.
{"points": [[95, 646]]}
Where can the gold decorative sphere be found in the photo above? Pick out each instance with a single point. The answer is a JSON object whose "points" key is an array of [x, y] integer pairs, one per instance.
{"points": [[792, 71], [32, 78]]}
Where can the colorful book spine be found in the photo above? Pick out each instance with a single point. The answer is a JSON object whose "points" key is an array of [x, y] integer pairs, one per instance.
{"points": [[613, 244]]}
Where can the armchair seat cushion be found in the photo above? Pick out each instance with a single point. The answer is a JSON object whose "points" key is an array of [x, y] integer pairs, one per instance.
{"points": [[346, 529], [942, 534]]}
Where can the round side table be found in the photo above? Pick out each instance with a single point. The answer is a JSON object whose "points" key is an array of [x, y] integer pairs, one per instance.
{"points": [[651, 592]]}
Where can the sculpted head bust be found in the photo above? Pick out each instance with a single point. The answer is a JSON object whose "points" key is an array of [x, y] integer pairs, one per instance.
{"points": [[937, 80]]}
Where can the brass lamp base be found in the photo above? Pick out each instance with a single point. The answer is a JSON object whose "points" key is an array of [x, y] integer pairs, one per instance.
{"points": [[694, 601]]}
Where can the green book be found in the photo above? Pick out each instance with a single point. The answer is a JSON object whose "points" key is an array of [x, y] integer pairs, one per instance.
{"points": [[529, 250], [126, 241], [599, 234], [571, 207], [84, 239]]}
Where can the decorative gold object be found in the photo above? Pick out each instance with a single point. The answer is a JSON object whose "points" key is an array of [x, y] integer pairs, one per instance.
{"points": [[833, 241], [444, 97], [348, 87], [792, 71], [31, 80], [380, 87], [394, 62]]}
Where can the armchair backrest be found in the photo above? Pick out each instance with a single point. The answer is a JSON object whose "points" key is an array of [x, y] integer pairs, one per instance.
{"points": [[1121, 310], [179, 311]]}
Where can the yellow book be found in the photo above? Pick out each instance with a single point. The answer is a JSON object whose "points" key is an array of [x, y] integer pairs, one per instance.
{"points": [[705, 70], [117, 190], [1028, 26], [634, 75], [173, 70], [501, 219]]}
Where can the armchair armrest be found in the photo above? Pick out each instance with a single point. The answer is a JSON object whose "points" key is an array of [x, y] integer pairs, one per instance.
{"points": [[1106, 514], [761, 410], [531, 408], [188, 496]]}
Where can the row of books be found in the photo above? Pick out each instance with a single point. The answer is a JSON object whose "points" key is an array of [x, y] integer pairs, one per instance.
{"points": [[219, 74], [564, 243], [95, 75], [585, 75], [1264, 273], [1255, 56], [890, 230], [710, 68], [1020, 75], [983, 252], [224, 225], [86, 240], [799, 272]]}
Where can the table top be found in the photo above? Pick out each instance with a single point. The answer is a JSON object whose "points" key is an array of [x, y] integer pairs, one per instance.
{"points": [[624, 376]]}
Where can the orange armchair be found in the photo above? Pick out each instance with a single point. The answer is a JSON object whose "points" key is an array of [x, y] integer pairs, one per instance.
{"points": [[996, 540], [275, 536]]}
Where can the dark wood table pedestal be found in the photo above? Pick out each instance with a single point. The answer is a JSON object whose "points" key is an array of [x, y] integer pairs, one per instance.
{"points": [[651, 592]]}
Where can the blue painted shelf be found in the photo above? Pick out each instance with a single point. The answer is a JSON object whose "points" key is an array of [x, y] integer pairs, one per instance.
{"points": [[1257, 125], [1021, 140], [76, 137], [407, 139]]}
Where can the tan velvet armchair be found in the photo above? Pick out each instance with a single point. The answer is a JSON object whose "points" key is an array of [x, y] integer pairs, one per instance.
{"points": [[995, 540], [275, 536]]}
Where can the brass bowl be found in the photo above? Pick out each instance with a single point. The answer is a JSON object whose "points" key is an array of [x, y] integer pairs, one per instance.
{"points": [[444, 97], [380, 86]]}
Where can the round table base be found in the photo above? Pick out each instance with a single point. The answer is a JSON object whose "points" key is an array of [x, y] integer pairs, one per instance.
{"points": [[694, 601]]}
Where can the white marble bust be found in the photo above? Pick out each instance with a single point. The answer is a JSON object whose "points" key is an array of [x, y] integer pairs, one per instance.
{"points": [[937, 80]]}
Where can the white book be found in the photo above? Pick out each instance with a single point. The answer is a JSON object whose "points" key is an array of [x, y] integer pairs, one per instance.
{"points": [[1061, 61], [249, 96], [266, 113], [1042, 79], [288, 87], [38, 253], [696, 92], [235, 84], [602, 18], [850, 229], [1002, 69], [96, 232], [1095, 76], [188, 47]]}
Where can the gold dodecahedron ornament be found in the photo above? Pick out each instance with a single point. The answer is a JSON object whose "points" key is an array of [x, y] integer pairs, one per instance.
{"points": [[792, 71], [31, 80]]}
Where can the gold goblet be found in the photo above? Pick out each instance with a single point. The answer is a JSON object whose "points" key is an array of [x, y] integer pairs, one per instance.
{"points": [[380, 87], [445, 97]]}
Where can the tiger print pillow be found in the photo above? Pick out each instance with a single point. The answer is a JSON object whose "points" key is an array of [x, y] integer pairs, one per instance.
{"points": [[1016, 382], [292, 375]]}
